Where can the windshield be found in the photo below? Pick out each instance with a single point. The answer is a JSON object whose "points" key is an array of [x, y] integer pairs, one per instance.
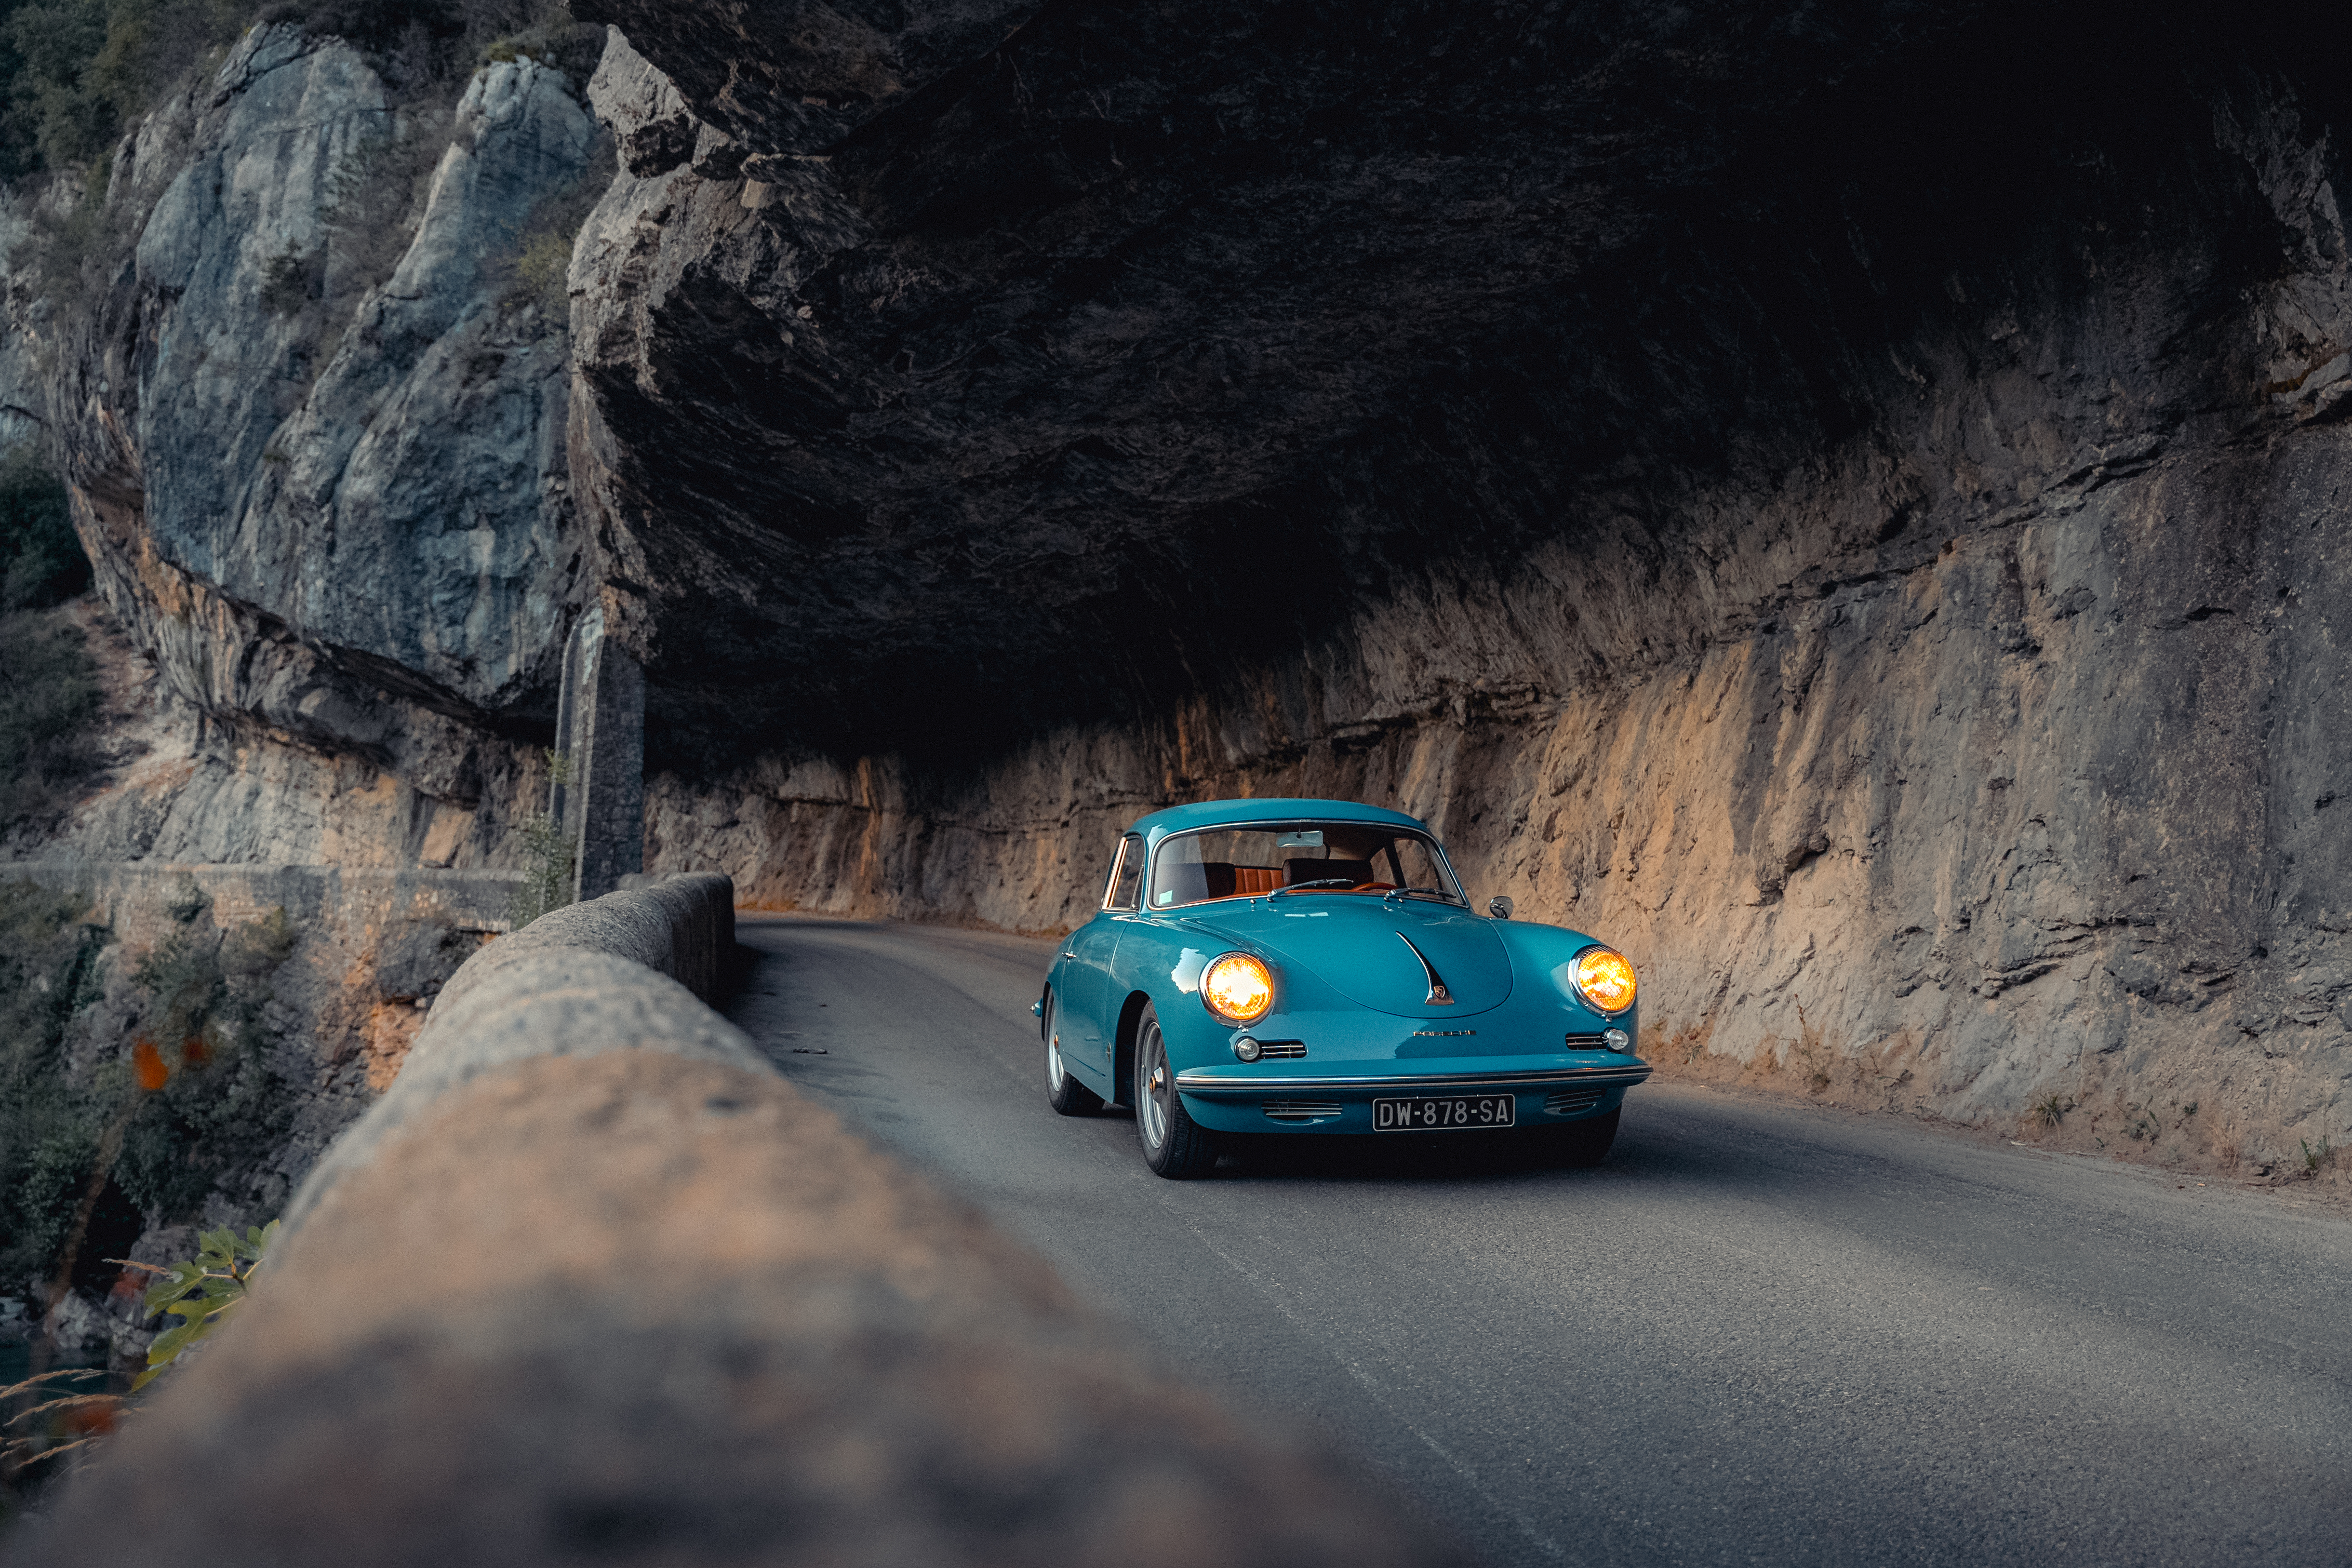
{"points": [[1340, 858]]}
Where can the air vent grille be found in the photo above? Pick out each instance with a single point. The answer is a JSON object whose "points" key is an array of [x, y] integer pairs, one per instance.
{"points": [[1568, 1103], [1588, 1042], [1281, 1050], [1301, 1110]]}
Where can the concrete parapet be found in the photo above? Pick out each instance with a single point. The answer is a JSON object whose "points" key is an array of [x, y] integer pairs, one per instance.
{"points": [[594, 1283], [630, 971]]}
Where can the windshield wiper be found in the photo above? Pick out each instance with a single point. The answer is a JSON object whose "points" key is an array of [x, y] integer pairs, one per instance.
{"points": [[1396, 893], [1319, 882]]}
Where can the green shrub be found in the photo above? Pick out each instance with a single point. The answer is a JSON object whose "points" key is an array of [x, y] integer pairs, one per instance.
{"points": [[548, 865], [190, 1105], [543, 267], [289, 281], [78, 71], [41, 560], [51, 696], [50, 1128], [542, 260], [202, 1291], [219, 1109], [48, 708]]}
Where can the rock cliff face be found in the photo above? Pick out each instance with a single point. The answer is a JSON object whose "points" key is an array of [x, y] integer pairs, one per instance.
{"points": [[301, 357], [1843, 504], [1842, 508], [317, 428]]}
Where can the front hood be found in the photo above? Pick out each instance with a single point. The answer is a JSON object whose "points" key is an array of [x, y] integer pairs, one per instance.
{"points": [[1356, 947]]}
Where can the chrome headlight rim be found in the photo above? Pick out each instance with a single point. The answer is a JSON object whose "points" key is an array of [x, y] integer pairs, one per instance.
{"points": [[1237, 1021], [1576, 980]]}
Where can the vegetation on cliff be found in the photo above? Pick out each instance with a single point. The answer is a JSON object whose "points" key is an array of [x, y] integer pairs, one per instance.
{"points": [[116, 1116], [75, 73], [50, 697]]}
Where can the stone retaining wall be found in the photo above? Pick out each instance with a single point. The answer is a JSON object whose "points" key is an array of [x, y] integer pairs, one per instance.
{"points": [[593, 1281]]}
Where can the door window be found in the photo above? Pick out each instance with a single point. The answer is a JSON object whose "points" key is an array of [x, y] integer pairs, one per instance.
{"points": [[1127, 876]]}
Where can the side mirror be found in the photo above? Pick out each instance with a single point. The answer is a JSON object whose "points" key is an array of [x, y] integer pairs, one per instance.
{"points": [[1500, 908]]}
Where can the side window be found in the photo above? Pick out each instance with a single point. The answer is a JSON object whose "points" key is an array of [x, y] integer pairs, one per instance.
{"points": [[1126, 877]]}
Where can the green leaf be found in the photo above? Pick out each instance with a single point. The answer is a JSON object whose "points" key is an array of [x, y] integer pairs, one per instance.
{"points": [[183, 1279], [205, 1328], [169, 1344]]}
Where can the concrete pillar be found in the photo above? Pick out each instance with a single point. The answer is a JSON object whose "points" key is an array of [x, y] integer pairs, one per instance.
{"points": [[599, 796]]}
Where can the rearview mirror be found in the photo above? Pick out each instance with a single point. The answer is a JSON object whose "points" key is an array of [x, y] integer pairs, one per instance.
{"points": [[1500, 908]]}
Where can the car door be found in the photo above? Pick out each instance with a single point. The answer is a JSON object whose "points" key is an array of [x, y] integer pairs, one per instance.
{"points": [[1085, 989]]}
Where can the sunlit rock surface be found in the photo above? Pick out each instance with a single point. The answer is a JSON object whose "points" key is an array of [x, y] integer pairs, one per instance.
{"points": [[1845, 510]]}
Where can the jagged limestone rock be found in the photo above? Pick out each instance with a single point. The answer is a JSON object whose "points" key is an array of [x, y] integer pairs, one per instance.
{"points": [[315, 430], [407, 504]]}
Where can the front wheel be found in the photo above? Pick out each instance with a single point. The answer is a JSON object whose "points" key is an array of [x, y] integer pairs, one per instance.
{"points": [[1174, 1145], [1064, 1093]]}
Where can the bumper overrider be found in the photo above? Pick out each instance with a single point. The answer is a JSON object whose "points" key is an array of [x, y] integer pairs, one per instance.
{"points": [[1235, 1101]]}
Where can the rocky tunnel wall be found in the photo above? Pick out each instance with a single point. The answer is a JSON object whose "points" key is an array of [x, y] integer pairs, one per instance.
{"points": [[1890, 587]]}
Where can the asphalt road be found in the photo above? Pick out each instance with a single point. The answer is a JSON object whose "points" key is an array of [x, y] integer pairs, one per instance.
{"points": [[1759, 1335]]}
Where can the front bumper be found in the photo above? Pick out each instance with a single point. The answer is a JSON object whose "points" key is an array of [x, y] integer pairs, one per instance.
{"points": [[1235, 1099]]}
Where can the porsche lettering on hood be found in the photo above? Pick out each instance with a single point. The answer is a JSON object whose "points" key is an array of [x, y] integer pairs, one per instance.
{"points": [[1351, 943]]}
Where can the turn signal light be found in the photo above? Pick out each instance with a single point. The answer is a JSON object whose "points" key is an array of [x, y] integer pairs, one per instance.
{"points": [[1604, 979], [1238, 987]]}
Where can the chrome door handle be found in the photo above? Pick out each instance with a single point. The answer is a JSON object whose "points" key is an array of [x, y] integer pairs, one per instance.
{"points": [[1070, 955]]}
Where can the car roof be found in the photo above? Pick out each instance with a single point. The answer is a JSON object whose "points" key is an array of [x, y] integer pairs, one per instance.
{"points": [[1232, 813]]}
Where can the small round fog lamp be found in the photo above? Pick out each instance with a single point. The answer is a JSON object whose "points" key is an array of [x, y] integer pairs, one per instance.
{"points": [[1237, 987], [1616, 1040], [1246, 1048]]}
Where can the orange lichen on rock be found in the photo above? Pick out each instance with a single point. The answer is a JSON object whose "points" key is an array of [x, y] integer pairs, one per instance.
{"points": [[392, 1029], [147, 1065]]}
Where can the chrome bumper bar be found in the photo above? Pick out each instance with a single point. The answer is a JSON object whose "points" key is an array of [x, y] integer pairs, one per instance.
{"points": [[1216, 1083]]}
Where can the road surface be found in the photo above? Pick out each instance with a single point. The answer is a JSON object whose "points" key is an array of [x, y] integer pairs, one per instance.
{"points": [[1760, 1335]]}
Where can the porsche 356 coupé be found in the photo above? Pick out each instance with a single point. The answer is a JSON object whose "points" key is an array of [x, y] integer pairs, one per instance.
{"points": [[1313, 966]]}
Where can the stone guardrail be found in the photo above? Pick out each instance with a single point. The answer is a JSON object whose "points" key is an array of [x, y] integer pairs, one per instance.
{"points": [[593, 1281]]}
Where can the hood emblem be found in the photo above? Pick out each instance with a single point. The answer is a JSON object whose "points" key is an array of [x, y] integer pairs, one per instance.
{"points": [[1439, 996]]}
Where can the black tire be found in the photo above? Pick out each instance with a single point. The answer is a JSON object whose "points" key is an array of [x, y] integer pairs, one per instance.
{"points": [[1174, 1145], [1064, 1093], [1581, 1146]]}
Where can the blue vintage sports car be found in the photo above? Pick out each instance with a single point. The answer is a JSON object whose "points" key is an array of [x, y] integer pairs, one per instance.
{"points": [[1312, 967]]}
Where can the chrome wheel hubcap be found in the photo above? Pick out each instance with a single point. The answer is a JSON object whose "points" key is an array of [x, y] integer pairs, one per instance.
{"points": [[1149, 1106]]}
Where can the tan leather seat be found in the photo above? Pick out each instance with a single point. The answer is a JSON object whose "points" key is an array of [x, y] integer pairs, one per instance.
{"points": [[1225, 880]]}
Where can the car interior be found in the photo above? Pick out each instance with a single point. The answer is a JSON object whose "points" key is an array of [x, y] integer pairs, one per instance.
{"points": [[1223, 879]]}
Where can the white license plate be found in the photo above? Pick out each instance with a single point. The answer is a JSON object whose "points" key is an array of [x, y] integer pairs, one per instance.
{"points": [[1447, 1115]]}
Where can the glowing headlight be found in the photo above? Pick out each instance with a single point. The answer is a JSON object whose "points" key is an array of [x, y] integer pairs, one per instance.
{"points": [[1237, 987], [1604, 979]]}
